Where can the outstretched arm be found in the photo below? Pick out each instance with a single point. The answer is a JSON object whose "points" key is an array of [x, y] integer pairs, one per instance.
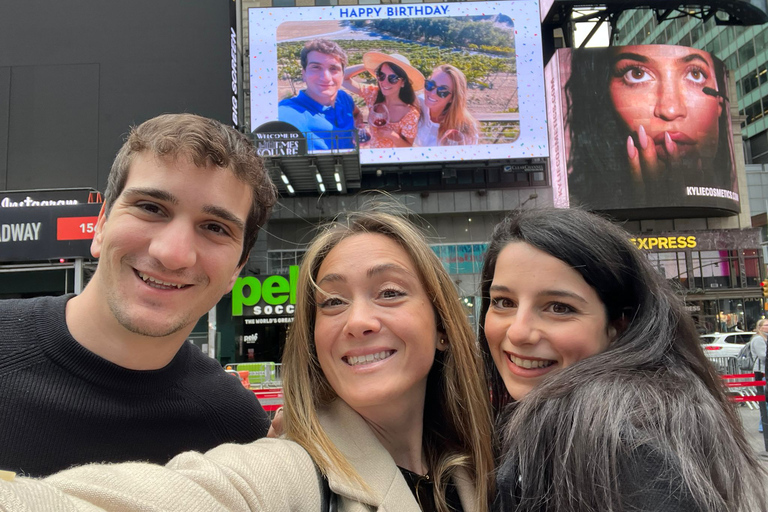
{"points": [[271, 475], [352, 71]]}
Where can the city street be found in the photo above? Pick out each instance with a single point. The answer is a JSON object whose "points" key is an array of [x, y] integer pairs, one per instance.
{"points": [[750, 419]]}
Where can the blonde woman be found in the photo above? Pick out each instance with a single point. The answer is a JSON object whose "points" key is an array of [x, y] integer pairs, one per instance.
{"points": [[384, 398], [445, 118]]}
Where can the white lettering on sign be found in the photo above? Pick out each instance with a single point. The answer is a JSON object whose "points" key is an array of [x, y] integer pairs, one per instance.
{"points": [[21, 232], [7, 203], [233, 58]]}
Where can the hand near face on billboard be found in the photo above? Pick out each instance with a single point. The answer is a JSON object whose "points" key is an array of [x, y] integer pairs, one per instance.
{"points": [[667, 99], [648, 126], [645, 162]]}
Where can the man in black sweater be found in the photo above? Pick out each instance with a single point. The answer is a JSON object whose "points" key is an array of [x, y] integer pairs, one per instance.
{"points": [[107, 375]]}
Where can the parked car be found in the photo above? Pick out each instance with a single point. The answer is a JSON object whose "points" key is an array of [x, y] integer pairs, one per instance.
{"points": [[724, 344]]}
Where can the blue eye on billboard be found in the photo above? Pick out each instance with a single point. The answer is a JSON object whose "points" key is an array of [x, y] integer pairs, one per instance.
{"points": [[318, 69], [644, 130]]}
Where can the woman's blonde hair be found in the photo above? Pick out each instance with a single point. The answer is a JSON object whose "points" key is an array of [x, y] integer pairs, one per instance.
{"points": [[457, 116], [759, 324], [457, 419]]}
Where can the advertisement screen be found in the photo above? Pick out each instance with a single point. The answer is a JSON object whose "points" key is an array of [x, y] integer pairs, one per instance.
{"points": [[403, 83], [640, 128]]}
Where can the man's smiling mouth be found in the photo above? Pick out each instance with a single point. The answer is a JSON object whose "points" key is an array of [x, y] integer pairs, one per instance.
{"points": [[157, 283]]}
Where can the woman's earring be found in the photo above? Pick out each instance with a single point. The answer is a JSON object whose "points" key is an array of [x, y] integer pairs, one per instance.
{"points": [[443, 342]]}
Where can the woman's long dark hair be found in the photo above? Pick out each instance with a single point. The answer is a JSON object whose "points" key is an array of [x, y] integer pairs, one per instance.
{"points": [[598, 138], [574, 442], [407, 94]]}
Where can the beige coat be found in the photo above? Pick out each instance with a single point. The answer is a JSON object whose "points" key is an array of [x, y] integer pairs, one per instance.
{"points": [[267, 475]]}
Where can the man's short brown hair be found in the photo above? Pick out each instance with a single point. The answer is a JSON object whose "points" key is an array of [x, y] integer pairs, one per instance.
{"points": [[204, 141], [323, 46]]}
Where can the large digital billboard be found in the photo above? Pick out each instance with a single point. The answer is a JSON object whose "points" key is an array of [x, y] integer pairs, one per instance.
{"points": [[638, 128], [403, 83]]}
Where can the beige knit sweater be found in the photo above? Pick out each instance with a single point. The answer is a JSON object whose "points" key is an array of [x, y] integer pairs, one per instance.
{"points": [[267, 475]]}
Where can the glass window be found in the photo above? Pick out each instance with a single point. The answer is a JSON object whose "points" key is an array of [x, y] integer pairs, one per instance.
{"points": [[752, 267], [671, 265], [713, 46], [714, 269], [696, 32], [279, 262], [727, 35], [747, 51], [753, 112], [274, 260], [762, 73], [447, 256], [732, 62], [478, 252], [750, 82], [753, 311]]}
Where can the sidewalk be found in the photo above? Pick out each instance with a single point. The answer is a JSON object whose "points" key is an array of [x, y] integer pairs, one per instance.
{"points": [[749, 419]]}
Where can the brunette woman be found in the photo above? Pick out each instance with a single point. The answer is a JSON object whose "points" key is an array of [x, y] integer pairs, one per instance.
{"points": [[611, 404], [397, 83]]}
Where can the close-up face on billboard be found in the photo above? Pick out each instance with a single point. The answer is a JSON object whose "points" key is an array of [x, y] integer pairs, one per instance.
{"points": [[403, 83], [641, 127]]}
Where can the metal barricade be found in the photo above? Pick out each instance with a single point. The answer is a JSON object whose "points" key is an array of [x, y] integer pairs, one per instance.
{"points": [[724, 365], [740, 382]]}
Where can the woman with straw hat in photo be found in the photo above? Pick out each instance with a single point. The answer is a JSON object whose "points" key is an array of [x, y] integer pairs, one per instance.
{"points": [[393, 109]]}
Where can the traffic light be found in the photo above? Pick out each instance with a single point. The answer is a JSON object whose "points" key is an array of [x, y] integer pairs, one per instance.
{"points": [[764, 286]]}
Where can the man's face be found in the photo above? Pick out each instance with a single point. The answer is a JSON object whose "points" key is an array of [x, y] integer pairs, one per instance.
{"points": [[171, 245], [323, 76]]}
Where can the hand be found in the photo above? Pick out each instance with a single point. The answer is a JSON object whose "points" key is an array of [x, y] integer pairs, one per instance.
{"points": [[276, 428], [644, 163]]}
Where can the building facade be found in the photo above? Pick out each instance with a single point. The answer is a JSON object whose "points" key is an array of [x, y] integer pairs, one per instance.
{"points": [[724, 290], [744, 49]]}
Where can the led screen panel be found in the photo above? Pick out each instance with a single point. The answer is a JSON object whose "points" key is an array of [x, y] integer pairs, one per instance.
{"points": [[468, 83], [640, 128]]}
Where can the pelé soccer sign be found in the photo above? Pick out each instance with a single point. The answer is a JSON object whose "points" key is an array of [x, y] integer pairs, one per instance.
{"points": [[270, 296]]}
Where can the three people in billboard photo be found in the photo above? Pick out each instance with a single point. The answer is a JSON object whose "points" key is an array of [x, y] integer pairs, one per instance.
{"points": [[448, 83], [649, 126], [322, 109]]}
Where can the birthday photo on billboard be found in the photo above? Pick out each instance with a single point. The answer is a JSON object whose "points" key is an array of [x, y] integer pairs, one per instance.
{"points": [[645, 126], [403, 83]]}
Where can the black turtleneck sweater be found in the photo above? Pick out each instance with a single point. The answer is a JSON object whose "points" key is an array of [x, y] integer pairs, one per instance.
{"points": [[62, 405]]}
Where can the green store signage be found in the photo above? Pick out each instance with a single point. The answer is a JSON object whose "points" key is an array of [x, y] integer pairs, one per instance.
{"points": [[268, 297]]}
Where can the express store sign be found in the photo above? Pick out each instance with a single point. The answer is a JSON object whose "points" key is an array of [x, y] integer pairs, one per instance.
{"points": [[272, 296]]}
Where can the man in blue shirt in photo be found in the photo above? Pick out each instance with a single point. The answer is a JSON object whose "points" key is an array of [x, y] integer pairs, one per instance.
{"points": [[322, 108]]}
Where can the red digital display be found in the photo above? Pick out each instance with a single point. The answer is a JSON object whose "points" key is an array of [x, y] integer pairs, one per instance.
{"points": [[75, 228]]}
